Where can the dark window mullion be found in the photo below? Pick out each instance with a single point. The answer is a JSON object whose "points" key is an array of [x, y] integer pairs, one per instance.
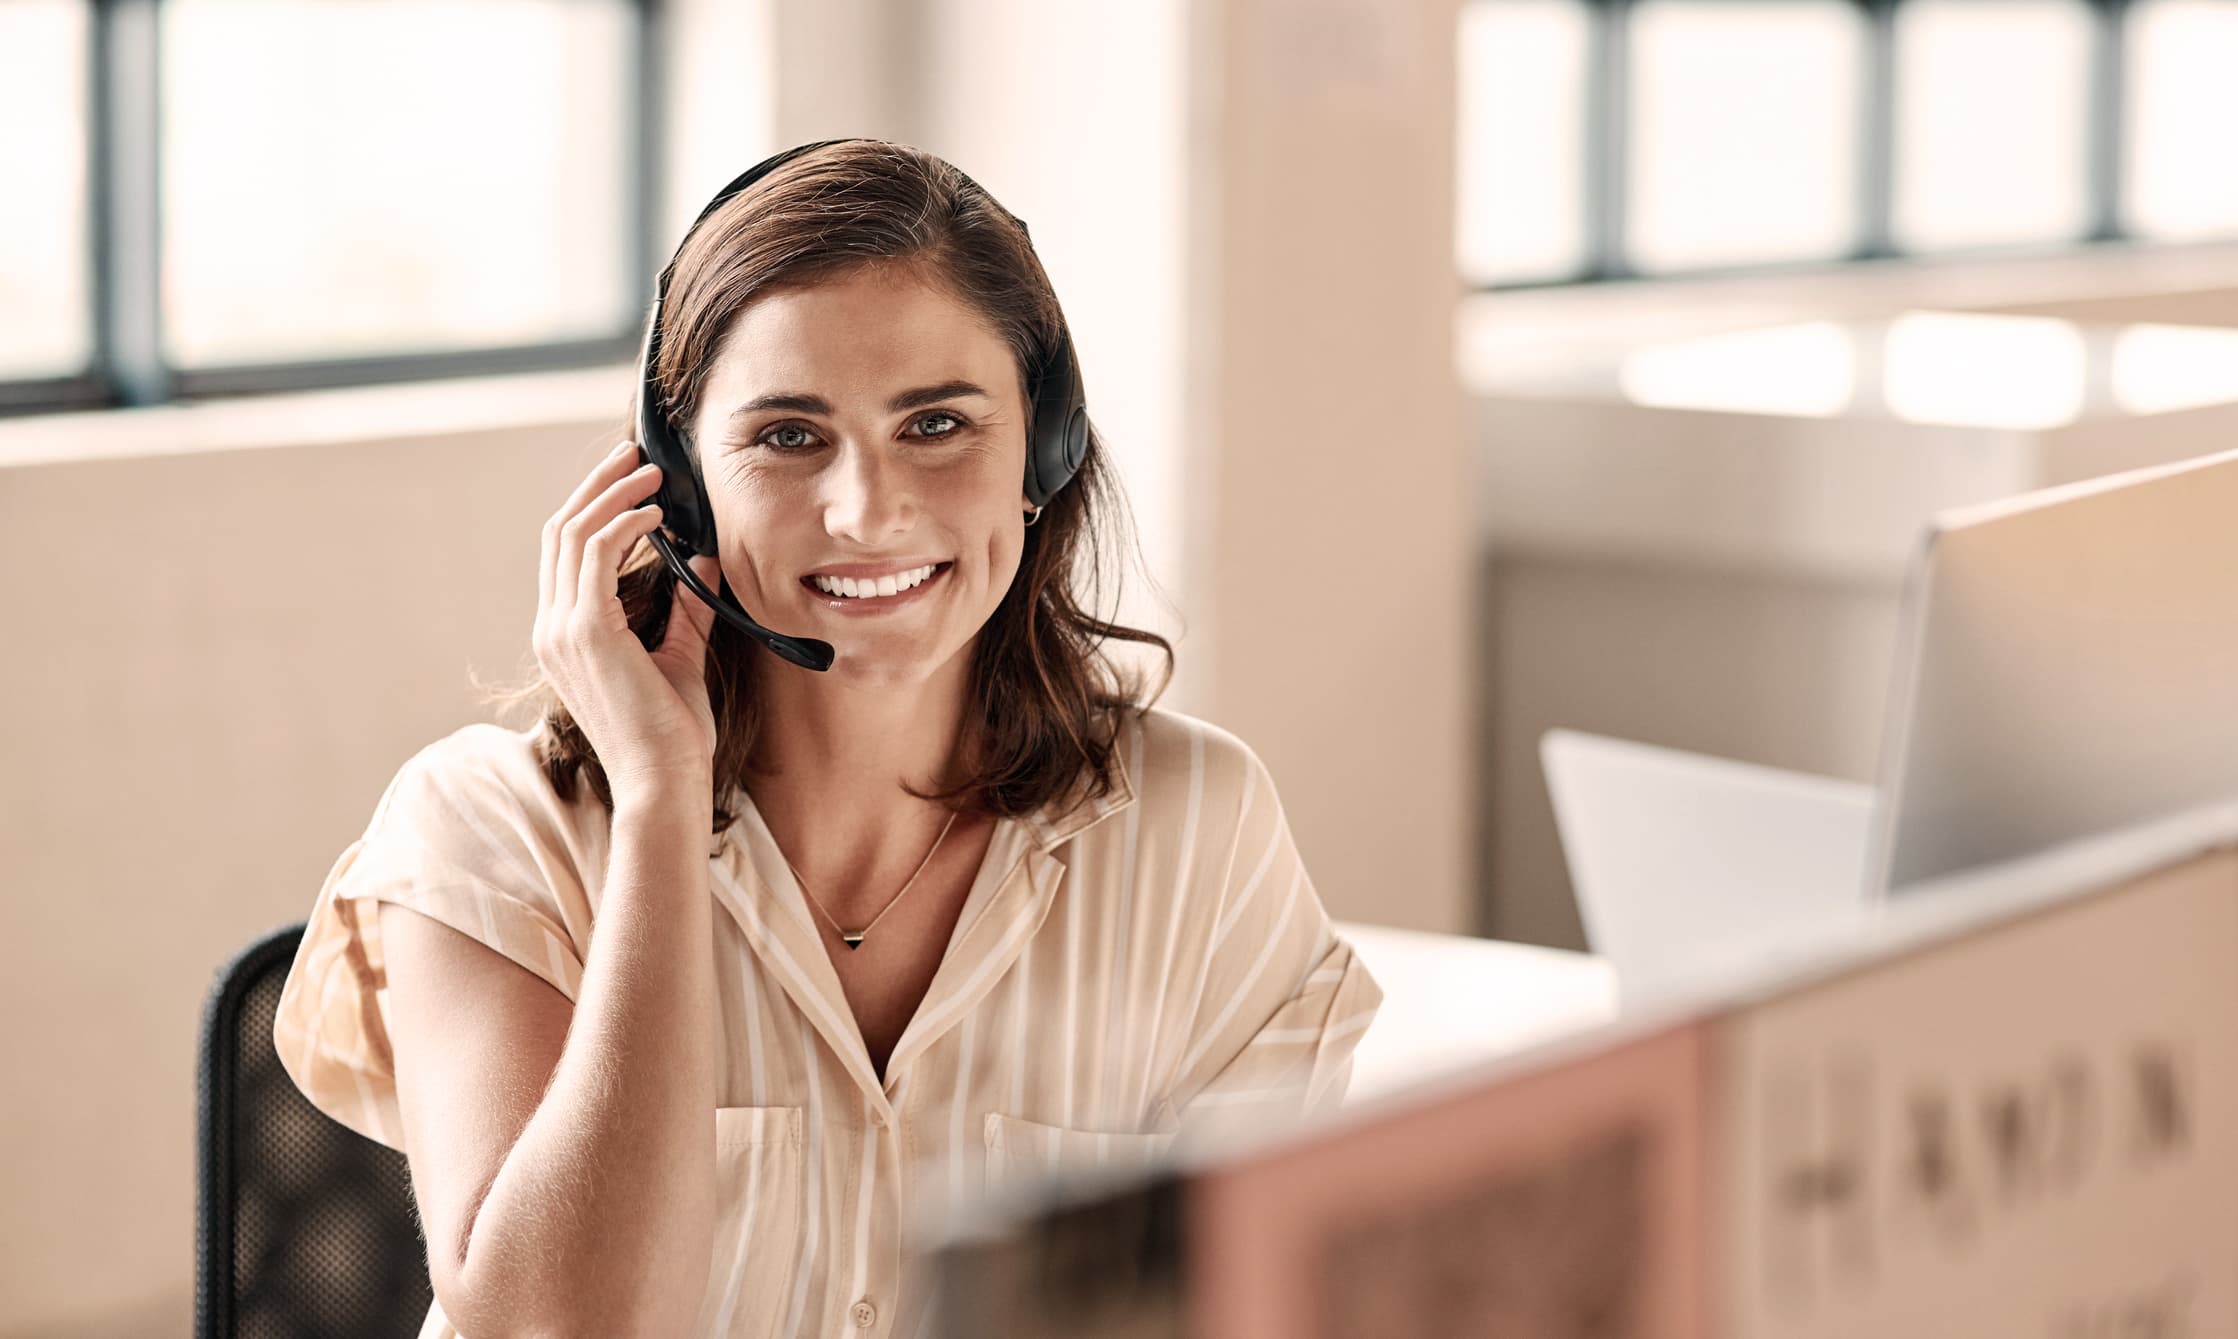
{"points": [[645, 257], [126, 163], [1608, 150], [1876, 133], [2109, 120]]}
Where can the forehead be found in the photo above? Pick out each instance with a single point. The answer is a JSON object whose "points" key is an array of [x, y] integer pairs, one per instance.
{"points": [[861, 334]]}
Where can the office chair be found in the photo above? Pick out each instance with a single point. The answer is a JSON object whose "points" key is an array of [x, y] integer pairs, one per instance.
{"points": [[304, 1229]]}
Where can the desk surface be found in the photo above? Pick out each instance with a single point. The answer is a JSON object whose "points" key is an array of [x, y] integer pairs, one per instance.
{"points": [[1453, 1000]]}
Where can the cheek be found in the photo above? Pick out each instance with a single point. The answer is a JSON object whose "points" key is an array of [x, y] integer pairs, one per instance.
{"points": [[756, 521], [974, 507], [993, 518], [1005, 560]]}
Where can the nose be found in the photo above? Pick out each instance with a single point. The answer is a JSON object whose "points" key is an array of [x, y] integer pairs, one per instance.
{"points": [[866, 498]]}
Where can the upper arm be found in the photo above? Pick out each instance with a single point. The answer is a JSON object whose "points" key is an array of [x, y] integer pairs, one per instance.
{"points": [[476, 1038], [1282, 1000]]}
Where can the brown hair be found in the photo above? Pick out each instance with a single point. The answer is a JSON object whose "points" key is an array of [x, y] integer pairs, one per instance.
{"points": [[1047, 699]]}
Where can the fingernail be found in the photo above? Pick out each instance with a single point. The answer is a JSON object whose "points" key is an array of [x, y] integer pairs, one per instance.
{"points": [[624, 449]]}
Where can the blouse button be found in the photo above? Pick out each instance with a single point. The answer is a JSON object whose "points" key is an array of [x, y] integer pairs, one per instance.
{"points": [[864, 1314]]}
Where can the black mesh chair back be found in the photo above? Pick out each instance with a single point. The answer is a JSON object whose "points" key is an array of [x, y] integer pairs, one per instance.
{"points": [[304, 1229]]}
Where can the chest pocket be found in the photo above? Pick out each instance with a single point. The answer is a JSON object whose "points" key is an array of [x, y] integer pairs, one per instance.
{"points": [[759, 1169], [1023, 1150]]}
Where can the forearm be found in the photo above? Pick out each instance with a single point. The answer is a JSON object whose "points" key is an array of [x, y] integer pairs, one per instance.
{"points": [[601, 1219]]}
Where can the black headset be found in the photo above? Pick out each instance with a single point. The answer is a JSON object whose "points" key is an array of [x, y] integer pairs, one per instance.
{"points": [[1055, 444]]}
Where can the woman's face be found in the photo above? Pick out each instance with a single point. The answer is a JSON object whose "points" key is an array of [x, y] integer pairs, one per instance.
{"points": [[854, 434]]}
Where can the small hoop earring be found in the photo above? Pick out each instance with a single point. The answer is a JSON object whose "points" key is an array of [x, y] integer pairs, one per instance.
{"points": [[1035, 515]]}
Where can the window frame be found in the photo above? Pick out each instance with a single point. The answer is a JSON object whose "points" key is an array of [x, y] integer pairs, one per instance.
{"points": [[128, 369], [1606, 96]]}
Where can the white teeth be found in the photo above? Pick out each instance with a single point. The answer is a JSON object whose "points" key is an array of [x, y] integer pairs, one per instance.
{"points": [[850, 588]]}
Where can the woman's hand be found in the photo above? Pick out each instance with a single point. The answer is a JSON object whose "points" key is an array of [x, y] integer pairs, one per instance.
{"points": [[646, 714]]}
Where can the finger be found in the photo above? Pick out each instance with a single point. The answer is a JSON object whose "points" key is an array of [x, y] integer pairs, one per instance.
{"points": [[618, 497], [621, 458], [625, 456], [602, 558]]}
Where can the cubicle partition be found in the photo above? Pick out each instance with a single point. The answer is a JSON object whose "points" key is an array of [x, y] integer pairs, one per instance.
{"points": [[2009, 1106]]}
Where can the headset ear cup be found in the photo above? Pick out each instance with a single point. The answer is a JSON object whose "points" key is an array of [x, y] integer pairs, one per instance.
{"points": [[1076, 440], [1056, 456], [1060, 428]]}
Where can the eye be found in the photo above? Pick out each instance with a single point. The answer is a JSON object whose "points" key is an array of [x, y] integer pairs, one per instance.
{"points": [[775, 437], [769, 438], [938, 414]]}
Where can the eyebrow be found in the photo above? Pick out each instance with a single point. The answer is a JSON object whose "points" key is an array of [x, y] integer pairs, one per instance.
{"points": [[817, 404]]}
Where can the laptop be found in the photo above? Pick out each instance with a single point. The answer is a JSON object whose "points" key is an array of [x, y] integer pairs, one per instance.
{"points": [[2068, 666], [1669, 851]]}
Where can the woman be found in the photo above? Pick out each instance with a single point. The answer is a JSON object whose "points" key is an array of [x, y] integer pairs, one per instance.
{"points": [[973, 910]]}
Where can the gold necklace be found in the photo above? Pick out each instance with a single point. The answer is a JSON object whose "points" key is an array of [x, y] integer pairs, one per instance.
{"points": [[854, 938]]}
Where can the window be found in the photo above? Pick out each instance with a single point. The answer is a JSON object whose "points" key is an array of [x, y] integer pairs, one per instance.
{"points": [[1605, 139], [1743, 125], [1522, 139], [44, 284], [219, 196], [1986, 159], [351, 180], [2183, 160]]}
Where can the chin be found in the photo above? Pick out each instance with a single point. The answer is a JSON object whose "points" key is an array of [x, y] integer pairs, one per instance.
{"points": [[883, 663]]}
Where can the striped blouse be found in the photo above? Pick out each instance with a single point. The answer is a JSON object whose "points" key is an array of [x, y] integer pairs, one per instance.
{"points": [[1149, 965]]}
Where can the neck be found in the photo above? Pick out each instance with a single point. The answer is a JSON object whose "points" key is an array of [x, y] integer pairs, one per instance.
{"points": [[832, 760]]}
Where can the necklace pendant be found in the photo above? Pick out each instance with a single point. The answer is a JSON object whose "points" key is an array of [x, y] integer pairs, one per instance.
{"points": [[854, 939]]}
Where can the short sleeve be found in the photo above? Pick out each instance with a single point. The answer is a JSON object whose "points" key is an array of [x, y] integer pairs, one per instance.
{"points": [[1285, 999], [462, 836]]}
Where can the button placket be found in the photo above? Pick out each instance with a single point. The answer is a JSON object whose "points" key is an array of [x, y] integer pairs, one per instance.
{"points": [[863, 1314]]}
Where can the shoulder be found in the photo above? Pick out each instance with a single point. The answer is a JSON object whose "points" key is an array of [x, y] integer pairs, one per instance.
{"points": [[479, 774], [1176, 760], [480, 748], [471, 817]]}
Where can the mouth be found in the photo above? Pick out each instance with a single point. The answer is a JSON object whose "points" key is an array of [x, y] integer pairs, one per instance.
{"points": [[852, 595]]}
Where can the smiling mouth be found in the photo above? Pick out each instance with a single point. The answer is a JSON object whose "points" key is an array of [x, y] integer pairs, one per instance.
{"points": [[883, 590]]}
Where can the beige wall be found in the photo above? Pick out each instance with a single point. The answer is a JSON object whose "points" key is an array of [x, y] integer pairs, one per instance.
{"points": [[218, 658]]}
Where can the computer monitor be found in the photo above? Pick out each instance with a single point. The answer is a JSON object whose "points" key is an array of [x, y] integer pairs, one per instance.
{"points": [[2069, 665]]}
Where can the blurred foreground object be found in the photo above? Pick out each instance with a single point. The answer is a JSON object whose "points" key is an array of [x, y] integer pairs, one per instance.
{"points": [[2007, 1106]]}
